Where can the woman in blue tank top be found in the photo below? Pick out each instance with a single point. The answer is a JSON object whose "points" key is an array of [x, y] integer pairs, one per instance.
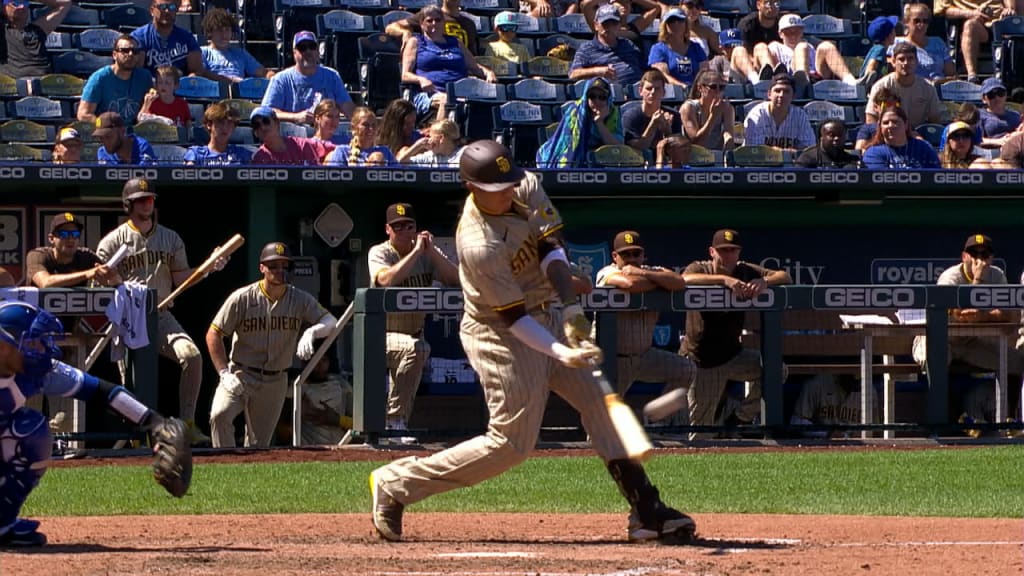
{"points": [[432, 59]]}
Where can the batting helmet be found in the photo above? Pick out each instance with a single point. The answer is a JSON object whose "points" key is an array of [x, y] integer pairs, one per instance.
{"points": [[137, 188], [34, 333], [489, 166], [275, 251]]}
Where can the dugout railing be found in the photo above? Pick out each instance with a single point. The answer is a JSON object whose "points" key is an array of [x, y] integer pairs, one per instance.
{"points": [[373, 304], [73, 304]]}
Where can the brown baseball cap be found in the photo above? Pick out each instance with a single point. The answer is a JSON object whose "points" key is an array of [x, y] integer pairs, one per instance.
{"points": [[627, 240], [976, 240], [399, 212], [106, 122], [726, 238], [489, 166], [65, 218]]}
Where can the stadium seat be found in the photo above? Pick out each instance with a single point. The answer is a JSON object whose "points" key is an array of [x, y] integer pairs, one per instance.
{"points": [[470, 101], [819, 111], [516, 125], [77, 19], [489, 6], [380, 70], [856, 46], [11, 88], [22, 153], [414, 5], [126, 17], [503, 69], [739, 133], [932, 133], [712, 22], [78, 63], [242, 107], [575, 91], [798, 6], [170, 153], [617, 156], [371, 7], [741, 113], [58, 42], [674, 93], [838, 91], [528, 26], [760, 156], [652, 29], [549, 41], [39, 108], [89, 152], [341, 30], [98, 40], [574, 25], [159, 133], [732, 9], [537, 90], [736, 93], [1008, 51], [702, 157], [828, 27], [290, 129], [393, 16], [26, 132], [249, 89], [61, 86], [84, 129], [202, 89], [960, 91]]}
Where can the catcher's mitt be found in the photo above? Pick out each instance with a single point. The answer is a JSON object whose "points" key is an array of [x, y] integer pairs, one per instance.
{"points": [[172, 465]]}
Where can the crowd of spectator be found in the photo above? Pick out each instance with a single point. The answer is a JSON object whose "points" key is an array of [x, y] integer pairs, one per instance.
{"points": [[743, 86]]}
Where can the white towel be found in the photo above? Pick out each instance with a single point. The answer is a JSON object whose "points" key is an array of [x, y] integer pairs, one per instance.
{"points": [[127, 315]]}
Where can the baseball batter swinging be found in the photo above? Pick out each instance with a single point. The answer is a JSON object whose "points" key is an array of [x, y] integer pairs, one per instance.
{"points": [[518, 291], [264, 320], [157, 258]]}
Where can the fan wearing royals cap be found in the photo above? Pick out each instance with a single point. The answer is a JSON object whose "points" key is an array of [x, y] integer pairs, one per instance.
{"points": [[408, 258], [712, 339]]}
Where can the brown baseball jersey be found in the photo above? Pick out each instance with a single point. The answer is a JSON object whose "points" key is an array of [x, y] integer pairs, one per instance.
{"points": [[384, 256], [822, 400], [265, 332], [161, 250], [634, 330], [713, 338], [42, 260]]}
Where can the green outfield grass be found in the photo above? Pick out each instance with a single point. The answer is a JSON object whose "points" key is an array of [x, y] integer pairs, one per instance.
{"points": [[968, 482]]}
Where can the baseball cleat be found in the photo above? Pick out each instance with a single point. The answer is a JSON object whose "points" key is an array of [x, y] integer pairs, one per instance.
{"points": [[669, 526], [387, 512], [22, 537], [196, 436]]}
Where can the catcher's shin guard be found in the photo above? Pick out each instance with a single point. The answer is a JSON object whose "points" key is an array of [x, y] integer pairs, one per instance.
{"points": [[25, 434]]}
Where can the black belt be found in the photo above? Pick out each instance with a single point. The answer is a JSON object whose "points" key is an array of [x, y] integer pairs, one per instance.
{"points": [[260, 371]]}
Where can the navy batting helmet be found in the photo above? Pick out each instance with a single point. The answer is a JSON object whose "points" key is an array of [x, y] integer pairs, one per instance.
{"points": [[137, 188], [34, 333], [275, 251]]}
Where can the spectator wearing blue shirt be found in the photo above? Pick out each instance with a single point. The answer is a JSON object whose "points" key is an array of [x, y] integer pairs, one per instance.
{"points": [[223, 59], [220, 120], [295, 92], [678, 58], [893, 147], [168, 45], [607, 55], [933, 60], [119, 87], [118, 147], [997, 121], [882, 33]]}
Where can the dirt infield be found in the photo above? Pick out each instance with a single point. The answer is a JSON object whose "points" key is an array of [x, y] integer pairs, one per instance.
{"points": [[507, 544]]}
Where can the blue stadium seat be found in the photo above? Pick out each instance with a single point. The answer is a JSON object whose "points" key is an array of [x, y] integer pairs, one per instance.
{"points": [[170, 153], [470, 101], [503, 69], [828, 27], [1008, 51], [78, 63], [126, 18], [344, 22], [291, 129], [39, 108], [58, 42], [77, 19], [517, 124], [549, 41], [341, 30], [856, 46], [574, 25], [414, 5], [819, 111], [674, 93], [196, 111], [531, 26], [489, 6], [380, 73], [931, 133], [960, 91], [483, 23], [392, 16], [250, 89], [98, 40], [576, 91], [798, 6], [201, 89], [715, 24], [732, 9], [537, 90], [371, 7], [837, 91]]}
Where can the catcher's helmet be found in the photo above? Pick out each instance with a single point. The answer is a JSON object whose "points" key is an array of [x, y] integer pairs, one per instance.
{"points": [[137, 188], [275, 251], [489, 166], [34, 333]]}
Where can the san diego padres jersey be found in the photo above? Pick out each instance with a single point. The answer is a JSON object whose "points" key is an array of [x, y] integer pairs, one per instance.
{"points": [[384, 256], [162, 250], [634, 330], [531, 199], [499, 264], [265, 332]]}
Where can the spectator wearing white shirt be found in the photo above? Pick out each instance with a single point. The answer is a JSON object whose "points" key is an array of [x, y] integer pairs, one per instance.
{"points": [[440, 149], [802, 59], [777, 122]]}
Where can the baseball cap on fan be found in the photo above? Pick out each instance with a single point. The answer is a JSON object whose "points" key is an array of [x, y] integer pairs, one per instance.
{"points": [[63, 219], [399, 212], [106, 122], [627, 240], [726, 238], [607, 13], [303, 36], [790, 21]]}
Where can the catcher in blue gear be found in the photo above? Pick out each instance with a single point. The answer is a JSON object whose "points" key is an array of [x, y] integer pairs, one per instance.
{"points": [[29, 365]]}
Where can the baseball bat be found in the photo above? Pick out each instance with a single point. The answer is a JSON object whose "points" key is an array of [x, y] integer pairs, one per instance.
{"points": [[310, 365], [665, 405], [627, 427], [223, 251]]}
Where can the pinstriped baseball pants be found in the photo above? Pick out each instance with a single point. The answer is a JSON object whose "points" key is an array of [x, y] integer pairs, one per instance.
{"points": [[516, 380]]}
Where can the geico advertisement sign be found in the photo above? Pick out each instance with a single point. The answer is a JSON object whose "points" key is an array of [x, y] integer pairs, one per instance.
{"points": [[84, 303], [423, 300], [721, 299], [869, 297], [610, 299], [990, 297]]}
